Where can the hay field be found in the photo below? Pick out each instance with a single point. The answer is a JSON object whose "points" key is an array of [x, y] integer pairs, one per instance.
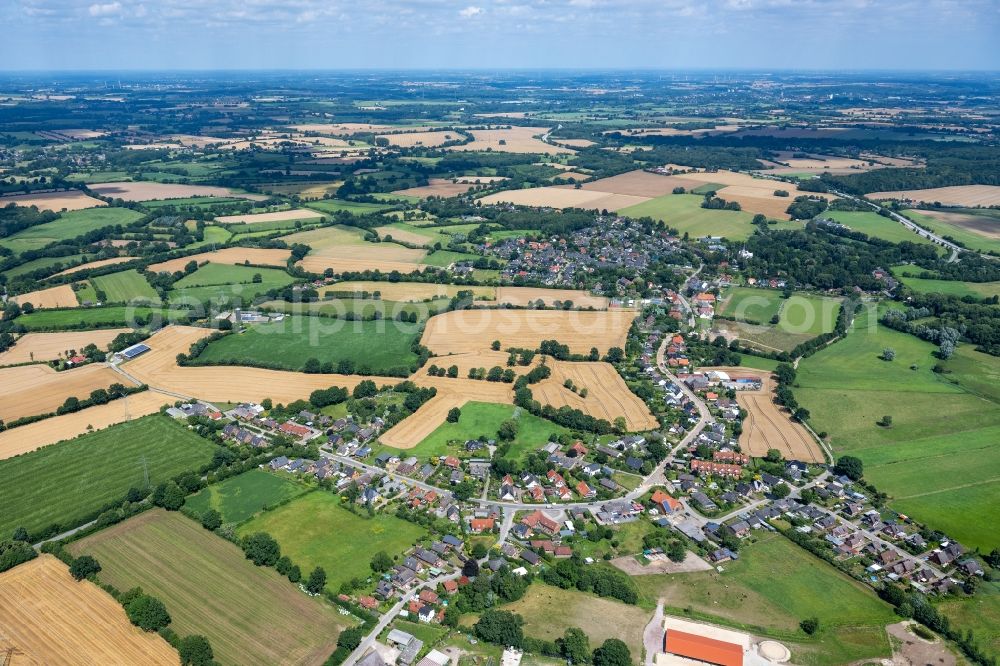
{"points": [[755, 195], [405, 235], [575, 143], [767, 427], [148, 191], [62, 296], [51, 346], [28, 390], [95, 264], [407, 291], [158, 368], [411, 139], [563, 197], [230, 255], [474, 330], [608, 397], [250, 614], [59, 428], [55, 201], [437, 187], [280, 216], [515, 140], [52, 619], [522, 296], [344, 249], [959, 195], [415, 428]]}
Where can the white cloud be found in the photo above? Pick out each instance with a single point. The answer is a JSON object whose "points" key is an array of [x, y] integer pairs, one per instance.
{"points": [[106, 9], [470, 11]]}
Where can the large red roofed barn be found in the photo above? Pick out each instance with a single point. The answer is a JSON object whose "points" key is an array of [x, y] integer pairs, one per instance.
{"points": [[702, 648]]}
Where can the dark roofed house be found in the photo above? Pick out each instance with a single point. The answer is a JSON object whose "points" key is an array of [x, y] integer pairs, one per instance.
{"points": [[530, 557]]}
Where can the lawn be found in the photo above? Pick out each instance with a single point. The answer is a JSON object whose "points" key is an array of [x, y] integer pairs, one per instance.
{"points": [[376, 345], [483, 419], [548, 611], [875, 225], [125, 287], [104, 317], [354, 207], [444, 258], [969, 239], [239, 498], [939, 461], [66, 483], [250, 614], [314, 530], [770, 589], [684, 213], [68, 225]]}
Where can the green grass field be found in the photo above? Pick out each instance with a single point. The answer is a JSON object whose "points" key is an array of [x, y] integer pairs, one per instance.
{"points": [[222, 283], [444, 258], [69, 225], [250, 614], [197, 202], [978, 614], [548, 611], [63, 483], [907, 275], [126, 287], [104, 317], [483, 419], [43, 262], [363, 307], [212, 236], [949, 227], [770, 589], [431, 235], [241, 497], [378, 345], [684, 213], [337, 205], [314, 530], [939, 422], [875, 225], [800, 317]]}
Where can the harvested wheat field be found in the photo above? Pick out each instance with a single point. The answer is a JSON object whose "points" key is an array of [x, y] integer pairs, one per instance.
{"points": [[988, 227], [62, 296], [608, 397], [344, 129], [158, 368], [59, 428], [406, 291], [478, 359], [523, 296], [560, 196], [412, 139], [230, 255], [280, 216], [767, 427], [51, 346], [477, 180], [148, 191], [55, 201], [49, 618], [344, 249], [95, 264], [959, 195], [474, 330], [29, 390], [575, 143], [404, 236], [641, 184], [755, 195], [420, 424], [514, 140], [438, 187]]}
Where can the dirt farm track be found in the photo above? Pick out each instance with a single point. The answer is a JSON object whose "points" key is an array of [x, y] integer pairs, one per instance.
{"points": [[767, 427], [49, 618]]}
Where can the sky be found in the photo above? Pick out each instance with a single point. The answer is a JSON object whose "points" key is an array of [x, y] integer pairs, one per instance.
{"points": [[500, 34]]}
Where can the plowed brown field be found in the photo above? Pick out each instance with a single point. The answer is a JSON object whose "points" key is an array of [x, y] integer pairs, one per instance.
{"points": [[51, 346], [49, 618], [474, 330], [59, 428], [29, 390]]}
